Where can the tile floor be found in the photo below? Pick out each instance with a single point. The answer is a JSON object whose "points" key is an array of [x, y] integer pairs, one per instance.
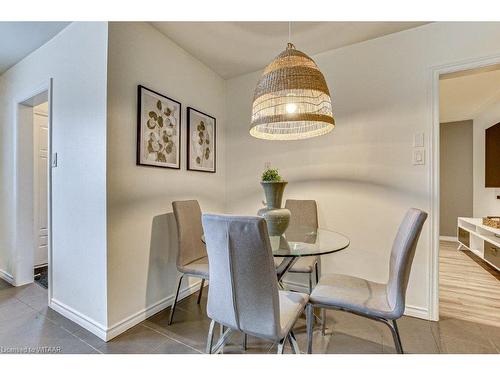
{"points": [[27, 322]]}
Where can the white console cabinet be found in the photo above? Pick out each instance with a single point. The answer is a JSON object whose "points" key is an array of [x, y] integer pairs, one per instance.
{"points": [[482, 240]]}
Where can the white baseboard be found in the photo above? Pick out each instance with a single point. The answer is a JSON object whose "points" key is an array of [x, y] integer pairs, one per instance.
{"points": [[448, 238], [143, 314], [7, 277], [417, 312], [88, 323], [107, 333]]}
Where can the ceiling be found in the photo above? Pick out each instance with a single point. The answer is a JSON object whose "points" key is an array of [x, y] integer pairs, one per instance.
{"points": [[464, 94], [234, 48], [19, 39]]}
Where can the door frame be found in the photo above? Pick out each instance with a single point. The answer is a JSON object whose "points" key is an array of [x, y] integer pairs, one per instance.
{"points": [[27, 265], [435, 73]]}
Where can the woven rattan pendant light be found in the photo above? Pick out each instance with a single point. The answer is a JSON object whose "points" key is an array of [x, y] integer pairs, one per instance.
{"points": [[291, 100]]}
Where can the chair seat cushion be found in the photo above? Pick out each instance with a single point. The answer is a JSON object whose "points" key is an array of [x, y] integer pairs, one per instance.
{"points": [[198, 267], [302, 265], [353, 294], [291, 307]]}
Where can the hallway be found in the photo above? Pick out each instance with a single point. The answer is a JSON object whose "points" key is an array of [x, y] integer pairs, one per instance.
{"points": [[469, 289]]}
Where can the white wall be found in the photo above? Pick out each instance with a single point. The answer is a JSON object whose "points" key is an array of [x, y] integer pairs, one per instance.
{"points": [[141, 234], [76, 60], [361, 174], [485, 199]]}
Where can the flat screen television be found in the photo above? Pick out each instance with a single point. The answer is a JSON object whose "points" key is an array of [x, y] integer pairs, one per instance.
{"points": [[492, 156]]}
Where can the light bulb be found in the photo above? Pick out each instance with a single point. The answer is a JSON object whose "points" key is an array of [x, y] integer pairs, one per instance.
{"points": [[291, 107]]}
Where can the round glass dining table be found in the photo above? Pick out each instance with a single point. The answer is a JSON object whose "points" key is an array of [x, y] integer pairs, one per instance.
{"points": [[303, 242]]}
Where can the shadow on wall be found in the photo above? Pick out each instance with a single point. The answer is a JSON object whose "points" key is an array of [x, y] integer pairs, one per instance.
{"points": [[162, 257]]}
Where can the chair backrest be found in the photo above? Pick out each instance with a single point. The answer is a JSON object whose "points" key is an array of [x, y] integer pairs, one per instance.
{"points": [[402, 254], [304, 213], [189, 232], [243, 292], [304, 218]]}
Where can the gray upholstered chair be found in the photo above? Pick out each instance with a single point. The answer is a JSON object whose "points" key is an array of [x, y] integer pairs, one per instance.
{"points": [[192, 257], [304, 215], [243, 294], [382, 302]]}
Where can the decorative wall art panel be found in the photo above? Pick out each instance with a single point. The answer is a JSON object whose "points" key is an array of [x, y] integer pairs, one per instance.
{"points": [[158, 129], [201, 141]]}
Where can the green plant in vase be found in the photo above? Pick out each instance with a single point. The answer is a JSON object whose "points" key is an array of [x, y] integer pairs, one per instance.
{"points": [[277, 218], [271, 175]]}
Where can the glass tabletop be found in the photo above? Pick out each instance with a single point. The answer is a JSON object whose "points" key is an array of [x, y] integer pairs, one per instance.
{"points": [[304, 241]]}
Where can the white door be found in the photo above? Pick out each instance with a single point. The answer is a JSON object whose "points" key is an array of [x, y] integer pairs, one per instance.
{"points": [[40, 183]]}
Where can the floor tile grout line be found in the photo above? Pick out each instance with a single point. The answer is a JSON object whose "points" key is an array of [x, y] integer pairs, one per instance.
{"points": [[436, 341], [82, 340], [171, 338], [454, 338], [168, 337], [20, 300], [27, 304]]}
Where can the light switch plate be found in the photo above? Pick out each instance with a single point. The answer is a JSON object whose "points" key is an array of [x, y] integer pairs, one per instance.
{"points": [[419, 157], [418, 140]]}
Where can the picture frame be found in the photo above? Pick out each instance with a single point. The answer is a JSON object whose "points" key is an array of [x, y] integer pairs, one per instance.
{"points": [[201, 141], [158, 129]]}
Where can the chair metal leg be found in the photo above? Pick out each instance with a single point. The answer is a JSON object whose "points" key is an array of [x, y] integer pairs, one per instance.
{"points": [[172, 309], [219, 346], [293, 343], [316, 271], [399, 345], [323, 322], [210, 337], [221, 334], [281, 346], [310, 282], [309, 322], [201, 291], [244, 343], [395, 333]]}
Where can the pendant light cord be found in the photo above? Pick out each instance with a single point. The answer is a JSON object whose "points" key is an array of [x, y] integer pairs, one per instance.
{"points": [[290, 44]]}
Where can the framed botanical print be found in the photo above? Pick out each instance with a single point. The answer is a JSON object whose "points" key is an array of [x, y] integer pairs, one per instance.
{"points": [[158, 129], [201, 141]]}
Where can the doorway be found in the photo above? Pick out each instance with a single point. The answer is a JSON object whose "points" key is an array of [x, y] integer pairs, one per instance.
{"points": [[40, 192], [469, 284], [33, 188]]}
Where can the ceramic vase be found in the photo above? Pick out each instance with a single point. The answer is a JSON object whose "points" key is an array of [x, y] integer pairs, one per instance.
{"points": [[277, 218]]}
